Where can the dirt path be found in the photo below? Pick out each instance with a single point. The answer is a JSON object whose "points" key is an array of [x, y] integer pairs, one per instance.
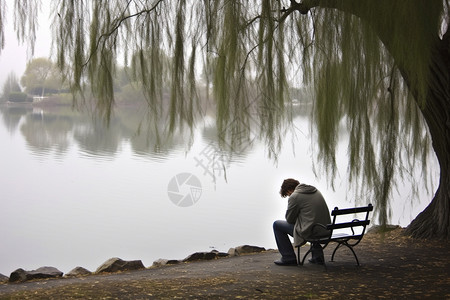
{"points": [[392, 267]]}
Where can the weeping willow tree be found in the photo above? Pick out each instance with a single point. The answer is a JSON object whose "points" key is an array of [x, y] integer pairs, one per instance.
{"points": [[380, 68]]}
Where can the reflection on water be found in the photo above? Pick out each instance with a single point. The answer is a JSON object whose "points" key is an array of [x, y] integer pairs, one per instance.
{"points": [[79, 192], [54, 132]]}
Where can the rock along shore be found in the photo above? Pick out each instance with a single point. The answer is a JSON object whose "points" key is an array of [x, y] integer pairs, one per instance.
{"points": [[116, 264]]}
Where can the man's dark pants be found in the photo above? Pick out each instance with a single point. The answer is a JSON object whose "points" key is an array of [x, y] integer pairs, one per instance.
{"points": [[282, 230]]}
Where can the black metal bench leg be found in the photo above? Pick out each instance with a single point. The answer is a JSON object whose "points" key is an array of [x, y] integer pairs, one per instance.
{"points": [[304, 257], [334, 252], [354, 254], [348, 246], [301, 261]]}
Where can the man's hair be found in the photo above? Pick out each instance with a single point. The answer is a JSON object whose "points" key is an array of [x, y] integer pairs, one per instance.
{"points": [[288, 185]]}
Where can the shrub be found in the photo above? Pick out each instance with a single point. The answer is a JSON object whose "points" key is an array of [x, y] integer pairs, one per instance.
{"points": [[18, 97]]}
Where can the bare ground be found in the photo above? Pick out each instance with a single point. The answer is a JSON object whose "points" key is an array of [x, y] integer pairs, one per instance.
{"points": [[393, 266]]}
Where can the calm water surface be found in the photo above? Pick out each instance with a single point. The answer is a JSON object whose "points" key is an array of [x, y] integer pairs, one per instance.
{"points": [[75, 193]]}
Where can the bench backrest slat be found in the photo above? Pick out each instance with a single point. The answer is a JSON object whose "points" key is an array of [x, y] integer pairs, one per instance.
{"points": [[348, 224], [345, 211]]}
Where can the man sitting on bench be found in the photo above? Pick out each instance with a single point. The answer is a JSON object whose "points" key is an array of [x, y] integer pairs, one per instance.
{"points": [[306, 206]]}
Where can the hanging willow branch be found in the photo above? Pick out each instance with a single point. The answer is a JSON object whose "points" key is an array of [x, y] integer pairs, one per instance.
{"points": [[350, 53]]}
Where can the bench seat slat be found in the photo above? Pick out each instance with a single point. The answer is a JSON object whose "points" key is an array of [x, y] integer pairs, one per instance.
{"points": [[337, 236]]}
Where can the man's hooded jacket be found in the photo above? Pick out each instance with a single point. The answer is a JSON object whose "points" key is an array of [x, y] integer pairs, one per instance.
{"points": [[306, 206]]}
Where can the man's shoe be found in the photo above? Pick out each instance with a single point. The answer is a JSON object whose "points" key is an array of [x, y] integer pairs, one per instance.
{"points": [[318, 261], [286, 263]]}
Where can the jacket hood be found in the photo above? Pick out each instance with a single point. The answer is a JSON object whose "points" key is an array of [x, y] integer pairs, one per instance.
{"points": [[305, 189]]}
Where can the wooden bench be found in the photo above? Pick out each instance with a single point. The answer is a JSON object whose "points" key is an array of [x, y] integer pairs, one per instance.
{"points": [[347, 239]]}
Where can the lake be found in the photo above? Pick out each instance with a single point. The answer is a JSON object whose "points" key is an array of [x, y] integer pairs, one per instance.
{"points": [[76, 193]]}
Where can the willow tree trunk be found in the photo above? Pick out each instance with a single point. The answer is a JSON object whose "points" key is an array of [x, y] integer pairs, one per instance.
{"points": [[434, 221]]}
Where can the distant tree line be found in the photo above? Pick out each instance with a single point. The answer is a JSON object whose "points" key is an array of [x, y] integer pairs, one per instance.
{"points": [[12, 90], [42, 78]]}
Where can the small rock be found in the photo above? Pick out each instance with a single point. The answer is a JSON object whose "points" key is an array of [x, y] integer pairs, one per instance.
{"points": [[200, 256], [220, 254], [162, 262], [205, 256], [3, 278], [245, 249], [232, 252], [78, 271], [18, 275], [116, 264], [41, 273], [173, 261]]}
